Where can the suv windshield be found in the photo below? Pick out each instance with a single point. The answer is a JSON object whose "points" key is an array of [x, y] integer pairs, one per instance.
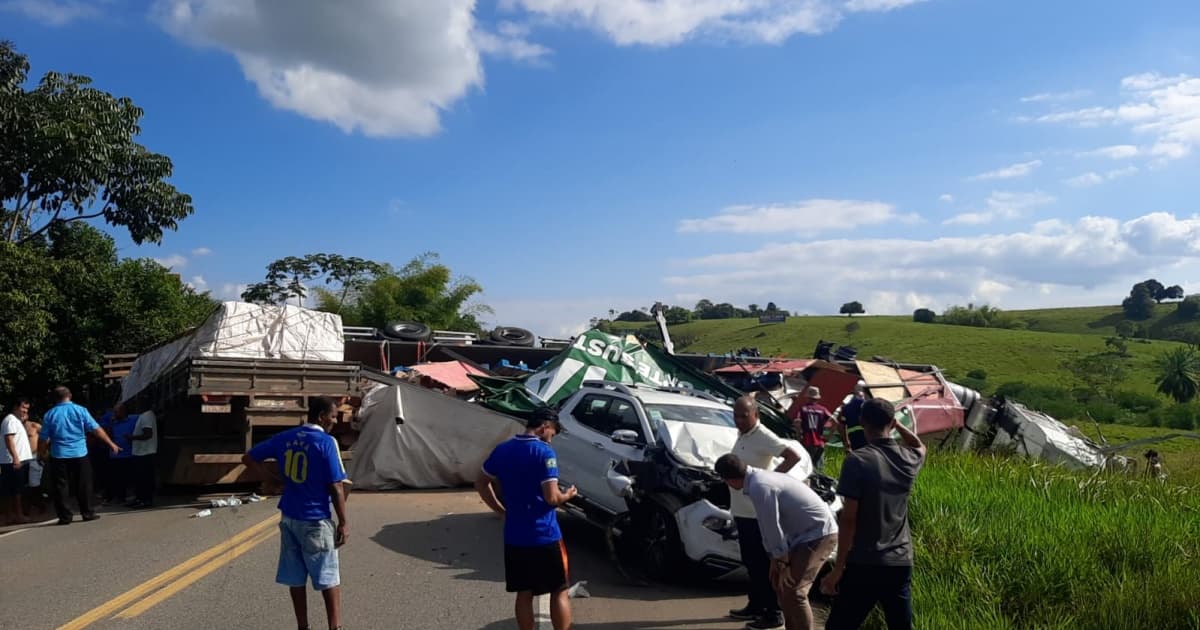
{"points": [[688, 413]]}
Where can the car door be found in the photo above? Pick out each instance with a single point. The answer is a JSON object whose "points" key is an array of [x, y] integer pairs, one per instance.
{"points": [[586, 450]]}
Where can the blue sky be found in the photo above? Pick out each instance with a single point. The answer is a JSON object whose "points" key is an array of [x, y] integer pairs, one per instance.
{"points": [[579, 155]]}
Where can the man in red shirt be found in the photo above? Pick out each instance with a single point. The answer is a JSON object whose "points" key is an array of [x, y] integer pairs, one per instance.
{"points": [[810, 425]]}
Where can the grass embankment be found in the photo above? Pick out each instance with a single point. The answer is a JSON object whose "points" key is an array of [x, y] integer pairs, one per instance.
{"points": [[1006, 355], [1008, 543], [1103, 320]]}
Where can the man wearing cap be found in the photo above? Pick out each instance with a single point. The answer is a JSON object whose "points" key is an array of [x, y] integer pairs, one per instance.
{"points": [[849, 422], [810, 424], [535, 560], [757, 446]]}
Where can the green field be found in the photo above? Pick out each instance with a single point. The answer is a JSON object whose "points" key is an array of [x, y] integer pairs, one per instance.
{"points": [[1103, 320], [1003, 543], [1006, 355]]}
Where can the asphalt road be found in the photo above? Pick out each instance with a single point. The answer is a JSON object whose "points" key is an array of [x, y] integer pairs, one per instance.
{"points": [[420, 560]]}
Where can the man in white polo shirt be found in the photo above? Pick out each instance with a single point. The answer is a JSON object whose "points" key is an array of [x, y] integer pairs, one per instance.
{"points": [[15, 456], [757, 446], [145, 447]]}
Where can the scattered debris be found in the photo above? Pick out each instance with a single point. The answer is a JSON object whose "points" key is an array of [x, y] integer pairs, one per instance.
{"points": [[232, 501], [202, 513], [579, 591]]}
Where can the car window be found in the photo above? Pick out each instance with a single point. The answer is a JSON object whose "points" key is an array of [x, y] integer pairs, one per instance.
{"points": [[592, 412], [693, 414], [625, 417]]}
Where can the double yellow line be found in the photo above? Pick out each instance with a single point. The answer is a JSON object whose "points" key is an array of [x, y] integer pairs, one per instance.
{"points": [[166, 584]]}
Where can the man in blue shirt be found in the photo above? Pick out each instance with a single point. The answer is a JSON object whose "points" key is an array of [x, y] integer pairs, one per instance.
{"points": [[848, 420], [66, 426], [120, 464], [312, 474], [535, 560]]}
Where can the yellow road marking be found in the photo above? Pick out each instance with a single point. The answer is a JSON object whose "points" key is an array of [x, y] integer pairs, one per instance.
{"points": [[149, 586], [187, 580]]}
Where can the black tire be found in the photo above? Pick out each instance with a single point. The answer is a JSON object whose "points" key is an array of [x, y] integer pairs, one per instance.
{"points": [[407, 331], [512, 336], [664, 558]]}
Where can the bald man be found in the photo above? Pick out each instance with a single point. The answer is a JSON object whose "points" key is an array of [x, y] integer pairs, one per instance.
{"points": [[756, 446]]}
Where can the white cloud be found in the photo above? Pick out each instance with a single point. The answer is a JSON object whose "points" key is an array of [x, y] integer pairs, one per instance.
{"points": [[1079, 256], [510, 40], [1009, 172], [1115, 152], [1085, 180], [198, 283], [385, 68], [809, 216], [201, 251], [1165, 109], [230, 291], [52, 12], [1003, 205], [946, 198], [670, 22], [174, 261], [1121, 172], [1055, 97]]}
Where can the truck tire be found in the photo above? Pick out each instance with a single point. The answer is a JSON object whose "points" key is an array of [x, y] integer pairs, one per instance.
{"points": [[512, 336], [407, 331]]}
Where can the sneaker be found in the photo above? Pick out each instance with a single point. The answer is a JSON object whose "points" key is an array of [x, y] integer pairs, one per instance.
{"points": [[64, 521], [765, 622], [745, 613], [91, 517]]}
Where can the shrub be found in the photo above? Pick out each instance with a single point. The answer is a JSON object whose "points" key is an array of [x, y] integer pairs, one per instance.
{"points": [[1104, 411], [924, 316], [978, 373], [1189, 308], [973, 383], [1137, 402], [1181, 417]]}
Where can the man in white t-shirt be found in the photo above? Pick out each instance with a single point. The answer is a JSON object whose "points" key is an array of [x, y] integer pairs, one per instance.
{"points": [[15, 456], [758, 447], [145, 447]]}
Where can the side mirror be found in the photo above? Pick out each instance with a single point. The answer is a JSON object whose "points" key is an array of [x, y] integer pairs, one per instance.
{"points": [[626, 436]]}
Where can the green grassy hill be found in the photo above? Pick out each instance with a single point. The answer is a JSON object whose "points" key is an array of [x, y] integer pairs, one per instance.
{"points": [[1103, 320], [1006, 355]]}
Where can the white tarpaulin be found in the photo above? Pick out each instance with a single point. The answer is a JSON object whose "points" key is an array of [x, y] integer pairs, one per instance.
{"points": [[412, 437], [244, 330]]}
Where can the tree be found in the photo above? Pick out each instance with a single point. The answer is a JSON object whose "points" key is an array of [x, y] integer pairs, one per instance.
{"points": [[771, 308], [1101, 374], [67, 154], [1140, 303], [677, 315], [1189, 308], [66, 300], [288, 278], [753, 310], [424, 290], [1126, 329], [1173, 292], [850, 309], [1155, 287], [924, 316], [634, 316], [1179, 371], [1118, 345]]}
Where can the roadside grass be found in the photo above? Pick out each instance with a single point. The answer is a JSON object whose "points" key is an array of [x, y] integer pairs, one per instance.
{"points": [[1010, 543], [1006, 355], [1181, 456]]}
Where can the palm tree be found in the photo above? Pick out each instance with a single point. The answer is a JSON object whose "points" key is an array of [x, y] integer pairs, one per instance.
{"points": [[1179, 374]]}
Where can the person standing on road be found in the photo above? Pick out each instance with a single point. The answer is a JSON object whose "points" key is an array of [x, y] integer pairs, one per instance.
{"points": [[535, 559], [66, 427], [312, 474], [757, 446], [145, 446], [15, 458], [810, 424], [120, 465], [848, 419], [875, 554], [798, 530]]}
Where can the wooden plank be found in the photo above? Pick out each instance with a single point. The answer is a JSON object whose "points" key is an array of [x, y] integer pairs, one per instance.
{"points": [[890, 387], [236, 458]]}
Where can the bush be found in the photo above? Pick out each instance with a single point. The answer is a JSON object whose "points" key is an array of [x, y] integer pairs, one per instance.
{"points": [[1189, 308], [976, 384], [1181, 417], [924, 316], [977, 373], [1137, 402], [1104, 411]]}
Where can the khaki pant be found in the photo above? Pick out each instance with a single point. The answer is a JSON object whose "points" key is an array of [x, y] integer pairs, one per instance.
{"points": [[804, 563]]}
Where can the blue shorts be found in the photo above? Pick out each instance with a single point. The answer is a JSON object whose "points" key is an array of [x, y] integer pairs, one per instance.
{"points": [[306, 550]]}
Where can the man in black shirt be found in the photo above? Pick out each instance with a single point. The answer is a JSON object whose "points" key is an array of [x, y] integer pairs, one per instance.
{"points": [[875, 556]]}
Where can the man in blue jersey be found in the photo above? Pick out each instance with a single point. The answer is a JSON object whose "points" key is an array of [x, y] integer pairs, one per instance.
{"points": [[535, 560], [312, 474], [66, 426]]}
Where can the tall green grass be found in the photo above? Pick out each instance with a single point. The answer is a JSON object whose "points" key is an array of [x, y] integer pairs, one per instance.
{"points": [[1010, 543]]}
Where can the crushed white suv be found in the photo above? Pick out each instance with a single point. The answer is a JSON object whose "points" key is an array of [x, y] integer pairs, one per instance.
{"points": [[642, 459]]}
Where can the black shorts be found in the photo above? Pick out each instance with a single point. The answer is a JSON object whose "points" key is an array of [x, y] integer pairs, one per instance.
{"points": [[13, 482], [542, 569]]}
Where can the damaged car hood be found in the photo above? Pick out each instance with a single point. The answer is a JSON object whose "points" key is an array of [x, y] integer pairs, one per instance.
{"points": [[700, 445]]}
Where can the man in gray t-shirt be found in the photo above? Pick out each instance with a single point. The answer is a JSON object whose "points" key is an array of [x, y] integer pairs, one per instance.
{"points": [[875, 556]]}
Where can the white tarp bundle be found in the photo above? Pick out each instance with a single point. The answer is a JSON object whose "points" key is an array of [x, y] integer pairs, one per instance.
{"points": [[412, 437], [244, 330]]}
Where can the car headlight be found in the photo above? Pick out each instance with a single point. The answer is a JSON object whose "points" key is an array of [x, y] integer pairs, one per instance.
{"points": [[717, 524]]}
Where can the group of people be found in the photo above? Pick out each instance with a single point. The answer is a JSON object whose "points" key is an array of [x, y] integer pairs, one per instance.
{"points": [[59, 453]]}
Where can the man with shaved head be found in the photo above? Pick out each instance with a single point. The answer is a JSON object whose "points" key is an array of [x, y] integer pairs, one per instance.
{"points": [[756, 446]]}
